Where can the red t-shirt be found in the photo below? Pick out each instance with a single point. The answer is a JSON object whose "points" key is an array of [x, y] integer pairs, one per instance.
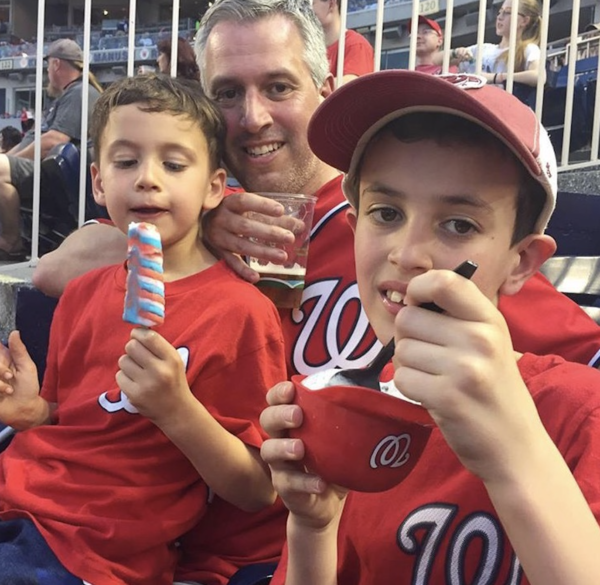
{"points": [[108, 490], [358, 55], [439, 525]]}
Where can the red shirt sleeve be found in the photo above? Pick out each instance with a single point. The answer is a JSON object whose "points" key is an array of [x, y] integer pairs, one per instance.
{"points": [[544, 321]]}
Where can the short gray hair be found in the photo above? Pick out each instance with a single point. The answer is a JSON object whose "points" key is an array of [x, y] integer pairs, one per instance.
{"points": [[300, 12]]}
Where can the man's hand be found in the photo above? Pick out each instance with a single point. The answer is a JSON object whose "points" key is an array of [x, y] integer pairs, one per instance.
{"points": [[21, 406], [231, 234]]}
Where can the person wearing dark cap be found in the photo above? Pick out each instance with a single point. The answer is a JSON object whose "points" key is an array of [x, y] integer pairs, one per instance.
{"points": [[439, 170], [429, 40], [62, 123]]}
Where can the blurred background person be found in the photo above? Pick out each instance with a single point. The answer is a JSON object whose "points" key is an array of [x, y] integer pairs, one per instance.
{"points": [[186, 60], [495, 56], [9, 138], [358, 55], [429, 41]]}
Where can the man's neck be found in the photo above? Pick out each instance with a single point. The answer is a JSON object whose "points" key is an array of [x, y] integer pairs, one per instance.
{"points": [[425, 59], [332, 32]]}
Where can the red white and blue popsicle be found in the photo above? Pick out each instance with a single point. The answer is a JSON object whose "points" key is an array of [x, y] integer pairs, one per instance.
{"points": [[145, 295]]}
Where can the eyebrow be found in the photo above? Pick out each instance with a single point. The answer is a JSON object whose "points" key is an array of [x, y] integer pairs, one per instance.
{"points": [[124, 143], [456, 200], [221, 80]]}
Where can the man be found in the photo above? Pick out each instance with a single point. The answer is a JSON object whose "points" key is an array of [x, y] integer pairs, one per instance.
{"points": [[358, 53], [62, 124], [429, 40]]}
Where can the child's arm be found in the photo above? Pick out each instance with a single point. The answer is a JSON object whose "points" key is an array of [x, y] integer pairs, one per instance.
{"points": [[21, 406], [315, 507], [153, 378], [461, 367]]}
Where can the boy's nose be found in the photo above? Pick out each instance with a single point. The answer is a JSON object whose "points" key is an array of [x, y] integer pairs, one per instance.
{"points": [[255, 114], [412, 250], [148, 176]]}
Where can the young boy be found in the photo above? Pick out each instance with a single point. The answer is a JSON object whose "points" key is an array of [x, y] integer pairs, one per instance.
{"points": [[441, 170], [106, 474]]}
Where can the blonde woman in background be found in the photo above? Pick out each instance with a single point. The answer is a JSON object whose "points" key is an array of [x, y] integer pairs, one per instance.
{"points": [[495, 56]]}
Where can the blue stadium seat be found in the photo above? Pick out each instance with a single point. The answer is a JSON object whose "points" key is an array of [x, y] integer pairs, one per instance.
{"points": [[59, 197], [258, 574]]}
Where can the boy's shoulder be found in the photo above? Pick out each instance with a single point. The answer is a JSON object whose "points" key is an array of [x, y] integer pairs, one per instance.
{"points": [[561, 389]]}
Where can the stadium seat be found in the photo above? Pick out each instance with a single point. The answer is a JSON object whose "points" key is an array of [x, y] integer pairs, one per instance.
{"points": [[575, 268], [578, 277], [59, 197], [258, 574]]}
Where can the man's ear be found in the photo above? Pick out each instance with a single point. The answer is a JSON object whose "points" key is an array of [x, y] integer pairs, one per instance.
{"points": [[351, 218], [327, 87], [97, 188], [532, 252]]}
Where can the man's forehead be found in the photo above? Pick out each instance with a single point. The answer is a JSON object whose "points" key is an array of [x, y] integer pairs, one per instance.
{"points": [[257, 50]]}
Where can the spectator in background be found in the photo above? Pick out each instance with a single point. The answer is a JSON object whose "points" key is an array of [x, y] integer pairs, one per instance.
{"points": [[358, 55], [26, 120], [495, 56], [10, 136], [186, 60], [62, 123], [429, 40]]}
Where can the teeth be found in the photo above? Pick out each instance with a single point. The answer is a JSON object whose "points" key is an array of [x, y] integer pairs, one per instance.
{"points": [[265, 149], [394, 296]]}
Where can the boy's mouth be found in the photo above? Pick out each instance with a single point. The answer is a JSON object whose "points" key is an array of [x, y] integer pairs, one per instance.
{"points": [[394, 296]]}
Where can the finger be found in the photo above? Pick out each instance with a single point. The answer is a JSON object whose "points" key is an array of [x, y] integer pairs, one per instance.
{"points": [[274, 451], [419, 355], [146, 344], [282, 393], [18, 351], [291, 482], [240, 203], [275, 420], [130, 367], [453, 293], [240, 267]]}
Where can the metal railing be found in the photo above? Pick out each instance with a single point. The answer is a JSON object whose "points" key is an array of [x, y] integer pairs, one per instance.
{"points": [[559, 56]]}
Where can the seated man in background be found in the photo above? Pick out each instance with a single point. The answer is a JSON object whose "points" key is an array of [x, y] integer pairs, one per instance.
{"points": [[358, 53], [62, 124], [429, 41]]}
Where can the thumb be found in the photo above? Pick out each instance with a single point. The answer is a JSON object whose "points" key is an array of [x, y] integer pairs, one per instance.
{"points": [[18, 351]]}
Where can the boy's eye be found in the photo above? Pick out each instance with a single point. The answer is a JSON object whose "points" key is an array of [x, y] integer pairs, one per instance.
{"points": [[460, 227], [124, 163], [173, 166], [384, 214]]}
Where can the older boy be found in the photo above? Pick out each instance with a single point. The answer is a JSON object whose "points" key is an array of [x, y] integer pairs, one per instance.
{"points": [[441, 170], [106, 474]]}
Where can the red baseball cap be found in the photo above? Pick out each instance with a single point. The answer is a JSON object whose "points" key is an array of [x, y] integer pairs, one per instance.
{"points": [[430, 23], [344, 123]]}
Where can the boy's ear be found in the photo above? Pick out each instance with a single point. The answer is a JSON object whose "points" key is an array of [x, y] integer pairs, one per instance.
{"points": [[351, 218], [216, 190], [97, 188], [532, 252]]}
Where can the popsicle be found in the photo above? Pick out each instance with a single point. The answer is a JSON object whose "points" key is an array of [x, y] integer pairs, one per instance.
{"points": [[145, 295]]}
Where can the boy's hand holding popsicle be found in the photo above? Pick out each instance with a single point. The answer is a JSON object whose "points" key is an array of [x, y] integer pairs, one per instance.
{"points": [[151, 374]]}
